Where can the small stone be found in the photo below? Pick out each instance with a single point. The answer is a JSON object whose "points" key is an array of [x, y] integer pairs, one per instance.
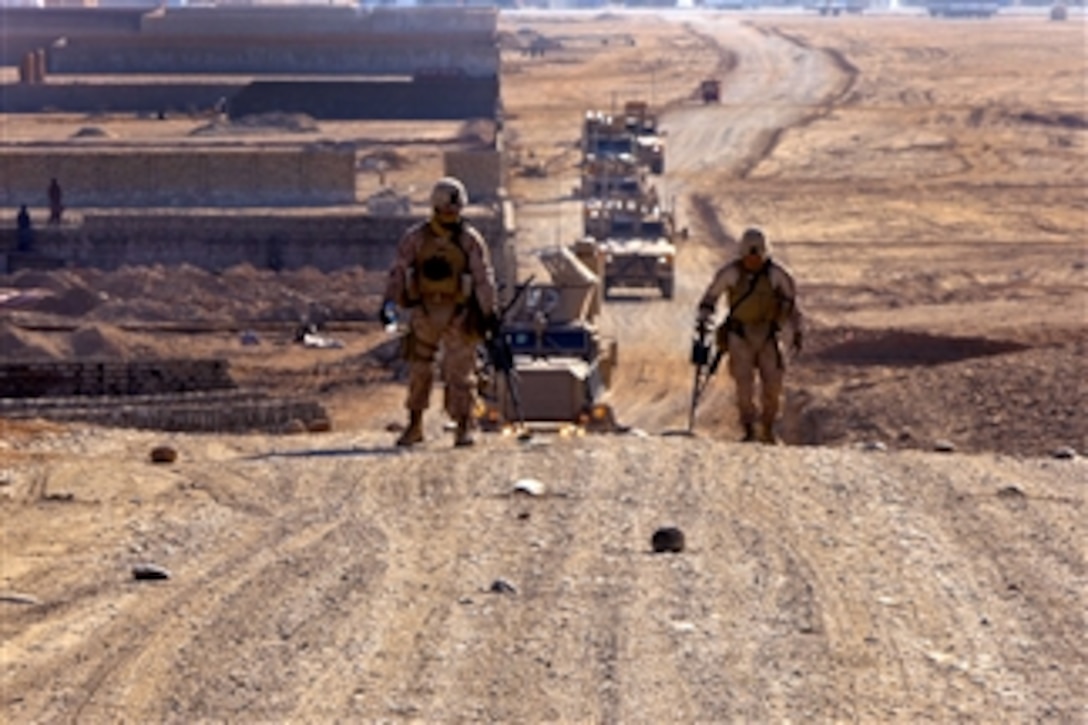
{"points": [[319, 425], [146, 572], [294, 426], [944, 446], [1065, 453], [668, 540], [501, 586], [874, 446], [530, 486], [19, 598], [163, 454]]}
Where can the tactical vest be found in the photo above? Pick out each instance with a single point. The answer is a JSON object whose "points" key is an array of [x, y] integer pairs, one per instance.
{"points": [[760, 305], [440, 264]]}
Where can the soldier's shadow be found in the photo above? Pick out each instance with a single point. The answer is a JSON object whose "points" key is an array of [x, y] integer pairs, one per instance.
{"points": [[355, 452]]}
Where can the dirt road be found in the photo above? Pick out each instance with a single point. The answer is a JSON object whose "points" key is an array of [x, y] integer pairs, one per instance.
{"points": [[331, 578]]}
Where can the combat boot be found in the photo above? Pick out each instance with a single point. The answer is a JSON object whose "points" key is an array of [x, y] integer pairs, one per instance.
{"points": [[463, 437], [414, 432], [766, 434], [749, 433]]}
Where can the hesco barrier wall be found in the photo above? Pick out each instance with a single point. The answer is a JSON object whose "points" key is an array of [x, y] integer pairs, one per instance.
{"points": [[24, 29], [425, 98], [109, 377], [114, 97], [205, 177], [177, 395], [268, 20], [326, 241], [290, 54], [482, 172], [217, 412]]}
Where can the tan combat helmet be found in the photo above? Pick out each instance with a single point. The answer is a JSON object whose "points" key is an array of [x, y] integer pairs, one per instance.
{"points": [[449, 191], [754, 241]]}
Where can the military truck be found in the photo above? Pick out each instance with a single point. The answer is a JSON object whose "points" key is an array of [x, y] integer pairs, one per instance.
{"points": [[710, 90], [563, 364], [634, 133], [649, 142], [604, 137], [637, 239], [615, 177]]}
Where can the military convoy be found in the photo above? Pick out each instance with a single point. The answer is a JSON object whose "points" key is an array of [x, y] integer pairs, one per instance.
{"points": [[551, 363], [622, 213]]}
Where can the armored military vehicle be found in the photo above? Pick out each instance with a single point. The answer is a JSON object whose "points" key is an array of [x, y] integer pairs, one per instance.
{"points": [[638, 241], [649, 143], [617, 177], [562, 364], [710, 90], [634, 133]]}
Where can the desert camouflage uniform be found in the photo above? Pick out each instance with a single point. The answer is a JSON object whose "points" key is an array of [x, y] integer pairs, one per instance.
{"points": [[440, 310], [750, 334]]}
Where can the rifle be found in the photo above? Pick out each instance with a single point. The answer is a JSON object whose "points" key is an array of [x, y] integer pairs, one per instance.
{"points": [[706, 360], [501, 355]]}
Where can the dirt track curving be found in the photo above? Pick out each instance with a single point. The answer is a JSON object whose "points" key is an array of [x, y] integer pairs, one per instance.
{"points": [[936, 227]]}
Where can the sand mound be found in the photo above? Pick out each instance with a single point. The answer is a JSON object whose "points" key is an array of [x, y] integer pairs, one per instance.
{"points": [[275, 122], [91, 132], [17, 345], [98, 341], [75, 301]]}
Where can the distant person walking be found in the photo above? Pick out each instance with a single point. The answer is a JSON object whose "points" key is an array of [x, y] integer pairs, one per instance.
{"points": [[56, 202], [762, 299], [25, 238]]}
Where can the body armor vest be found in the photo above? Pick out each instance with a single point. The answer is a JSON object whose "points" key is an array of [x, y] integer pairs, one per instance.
{"points": [[440, 265], [760, 305]]}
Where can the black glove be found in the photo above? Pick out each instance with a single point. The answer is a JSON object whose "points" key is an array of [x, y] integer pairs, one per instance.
{"points": [[798, 342], [492, 325], [388, 314]]}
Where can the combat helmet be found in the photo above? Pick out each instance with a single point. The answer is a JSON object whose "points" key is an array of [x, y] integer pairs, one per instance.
{"points": [[449, 191], [754, 241]]}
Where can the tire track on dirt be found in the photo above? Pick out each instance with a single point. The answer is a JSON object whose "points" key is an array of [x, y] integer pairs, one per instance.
{"points": [[766, 144], [160, 625]]}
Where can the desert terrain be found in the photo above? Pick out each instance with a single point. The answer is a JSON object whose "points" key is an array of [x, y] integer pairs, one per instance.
{"points": [[923, 179]]}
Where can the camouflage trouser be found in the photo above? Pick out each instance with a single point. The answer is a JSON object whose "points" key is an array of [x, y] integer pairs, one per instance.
{"points": [[758, 350], [432, 329]]}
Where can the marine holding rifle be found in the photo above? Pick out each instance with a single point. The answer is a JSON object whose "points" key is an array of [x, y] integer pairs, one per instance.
{"points": [[762, 298], [443, 275]]}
